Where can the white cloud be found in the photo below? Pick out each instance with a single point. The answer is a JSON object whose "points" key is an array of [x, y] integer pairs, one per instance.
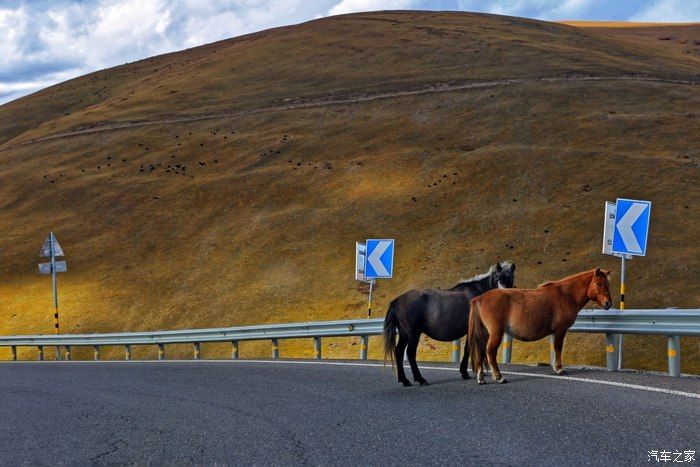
{"points": [[202, 30], [12, 23], [675, 11], [90, 35], [353, 6], [133, 17]]}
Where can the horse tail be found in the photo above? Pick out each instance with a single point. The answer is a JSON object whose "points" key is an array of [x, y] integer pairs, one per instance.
{"points": [[478, 335], [390, 327]]}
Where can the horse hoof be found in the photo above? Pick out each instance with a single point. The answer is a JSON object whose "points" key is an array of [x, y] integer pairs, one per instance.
{"points": [[502, 381], [423, 383], [406, 383], [561, 372], [465, 375], [482, 381]]}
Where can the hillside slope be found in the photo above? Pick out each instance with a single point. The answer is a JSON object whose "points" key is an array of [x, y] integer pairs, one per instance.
{"points": [[227, 184]]}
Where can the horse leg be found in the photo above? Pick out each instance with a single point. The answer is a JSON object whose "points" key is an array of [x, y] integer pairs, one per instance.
{"points": [[412, 348], [465, 361], [558, 345], [398, 354], [492, 354]]}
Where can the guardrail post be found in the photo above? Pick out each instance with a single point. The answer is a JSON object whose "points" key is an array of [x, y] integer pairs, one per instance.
{"points": [[674, 356], [275, 349], [197, 350], [127, 352], [507, 347], [455, 350], [161, 351], [611, 349], [41, 353], [552, 354], [68, 352], [317, 348], [234, 350], [364, 344], [97, 352], [14, 353]]}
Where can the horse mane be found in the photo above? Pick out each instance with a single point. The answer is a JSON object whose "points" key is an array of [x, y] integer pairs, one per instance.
{"points": [[567, 278], [476, 278], [479, 277]]}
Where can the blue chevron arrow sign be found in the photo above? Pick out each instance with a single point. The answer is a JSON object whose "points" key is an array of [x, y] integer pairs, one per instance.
{"points": [[380, 259], [631, 227]]}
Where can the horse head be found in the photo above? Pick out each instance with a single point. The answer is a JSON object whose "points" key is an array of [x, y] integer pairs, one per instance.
{"points": [[599, 288], [504, 275]]}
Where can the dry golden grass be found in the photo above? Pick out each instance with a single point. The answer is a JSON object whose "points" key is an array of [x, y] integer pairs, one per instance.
{"points": [[264, 230], [680, 40]]}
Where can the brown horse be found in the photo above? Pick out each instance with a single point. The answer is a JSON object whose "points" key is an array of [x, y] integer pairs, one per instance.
{"points": [[530, 315]]}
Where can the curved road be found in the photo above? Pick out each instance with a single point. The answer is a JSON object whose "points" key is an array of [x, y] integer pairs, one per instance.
{"points": [[290, 412]]}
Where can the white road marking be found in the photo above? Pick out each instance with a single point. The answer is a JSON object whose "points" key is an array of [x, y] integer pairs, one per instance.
{"points": [[372, 365], [520, 373]]}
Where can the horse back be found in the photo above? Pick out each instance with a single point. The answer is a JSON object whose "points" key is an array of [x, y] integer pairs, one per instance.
{"points": [[527, 314], [441, 314]]}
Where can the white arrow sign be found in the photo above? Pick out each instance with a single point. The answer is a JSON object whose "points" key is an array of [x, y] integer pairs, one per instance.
{"points": [[624, 226], [375, 261]]}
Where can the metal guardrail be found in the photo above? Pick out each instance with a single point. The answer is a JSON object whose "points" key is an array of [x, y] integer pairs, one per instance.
{"points": [[672, 323]]}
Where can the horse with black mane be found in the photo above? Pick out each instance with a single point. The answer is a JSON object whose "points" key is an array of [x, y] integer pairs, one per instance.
{"points": [[442, 315]]}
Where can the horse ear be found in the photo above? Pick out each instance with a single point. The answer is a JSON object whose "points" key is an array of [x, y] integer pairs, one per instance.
{"points": [[498, 267], [607, 273], [597, 272]]}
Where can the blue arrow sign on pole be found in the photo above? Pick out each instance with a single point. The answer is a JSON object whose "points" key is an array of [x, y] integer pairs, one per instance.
{"points": [[631, 227], [380, 259]]}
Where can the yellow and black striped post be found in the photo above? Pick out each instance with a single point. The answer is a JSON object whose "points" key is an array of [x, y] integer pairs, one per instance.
{"points": [[234, 350], [161, 351], [52, 245], [552, 353], [275, 349], [455, 350], [317, 348], [622, 307], [364, 343], [611, 351], [507, 347]]}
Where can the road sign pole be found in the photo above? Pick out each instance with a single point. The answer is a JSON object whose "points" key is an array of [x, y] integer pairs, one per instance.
{"points": [[52, 241], [369, 302], [622, 307]]}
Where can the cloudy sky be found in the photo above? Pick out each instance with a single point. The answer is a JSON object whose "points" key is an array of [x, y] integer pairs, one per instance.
{"points": [[43, 42]]}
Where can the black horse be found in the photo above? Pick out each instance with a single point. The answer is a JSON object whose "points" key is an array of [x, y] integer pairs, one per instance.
{"points": [[441, 314]]}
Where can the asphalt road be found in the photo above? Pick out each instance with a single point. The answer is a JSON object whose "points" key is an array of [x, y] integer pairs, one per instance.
{"points": [[263, 412]]}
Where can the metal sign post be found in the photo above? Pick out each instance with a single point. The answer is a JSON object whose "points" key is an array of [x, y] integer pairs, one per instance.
{"points": [[622, 307], [369, 301], [52, 249], [625, 235]]}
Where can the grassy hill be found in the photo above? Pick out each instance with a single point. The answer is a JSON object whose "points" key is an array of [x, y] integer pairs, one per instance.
{"points": [[226, 184]]}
